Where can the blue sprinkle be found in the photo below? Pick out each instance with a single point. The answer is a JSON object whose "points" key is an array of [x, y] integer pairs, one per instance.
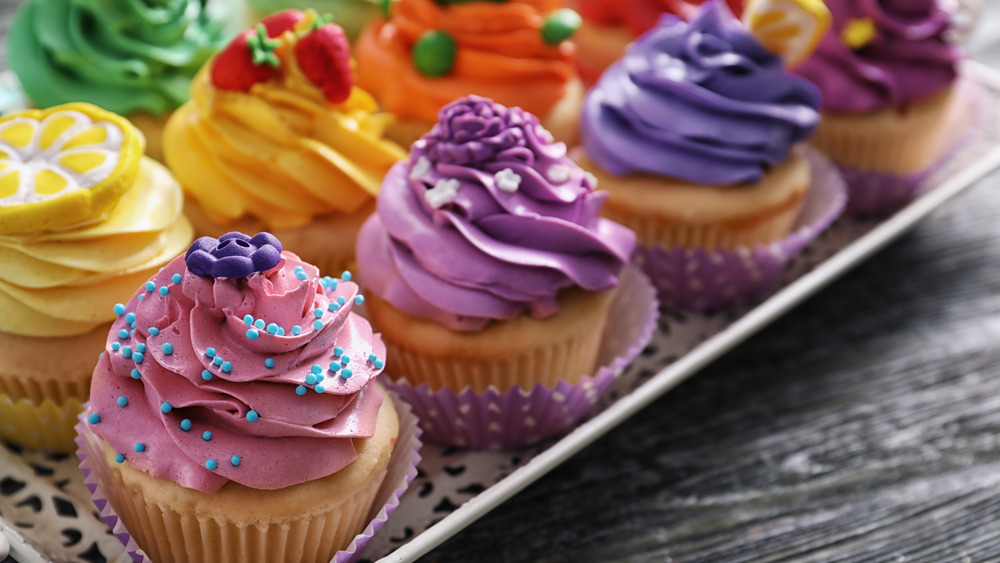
{"points": [[101, 355], [211, 464], [300, 275], [132, 324], [227, 366], [130, 318], [217, 360], [150, 286], [252, 334], [311, 379], [319, 377], [176, 278], [139, 447], [346, 373], [359, 299], [345, 360], [206, 435], [281, 331], [316, 369], [318, 313], [115, 346], [123, 334], [269, 363], [296, 330], [235, 460], [372, 357], [186, 424], [272, 328], [210, 352], [166, 407], [119, 309], [318, 325], [138, 357], [131, 332], [120, 458], [139, 299], [259, 323], [153, 331], [168, 348], [164, 290], [252, 416], [333, 306], [127, 351], [300, 390], [297, 269], [346, 276], [378, 364], [94, 418], [342, 300], [122, 401], [332, 284], [141, 347], [320, 388], [334, 366], [337, 351], [248, 320], [136, 374], [206, 375]]}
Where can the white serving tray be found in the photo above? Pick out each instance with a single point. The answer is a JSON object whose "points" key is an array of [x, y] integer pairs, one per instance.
{"points": [[454, 488]]}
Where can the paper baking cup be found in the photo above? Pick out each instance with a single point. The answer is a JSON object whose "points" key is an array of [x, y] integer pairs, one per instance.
{"points": [[518, 418], [401, 471], [46, 426], [880, 193], [701, 280]]}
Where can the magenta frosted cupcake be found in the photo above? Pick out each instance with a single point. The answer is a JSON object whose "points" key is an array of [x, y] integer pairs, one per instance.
{"points": [[490, 273]]}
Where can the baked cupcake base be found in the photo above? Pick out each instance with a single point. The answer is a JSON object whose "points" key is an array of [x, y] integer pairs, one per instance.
{"points": [[103, 478]]}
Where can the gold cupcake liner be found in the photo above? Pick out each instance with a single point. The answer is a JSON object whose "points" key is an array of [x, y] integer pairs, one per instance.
{"points": [[39, 426]]}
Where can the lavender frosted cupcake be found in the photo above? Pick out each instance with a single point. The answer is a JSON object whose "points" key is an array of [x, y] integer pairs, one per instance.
{"points": [[487, 265]]}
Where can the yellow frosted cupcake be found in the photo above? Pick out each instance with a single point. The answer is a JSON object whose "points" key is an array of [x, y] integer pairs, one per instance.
{"points": [[285, 144], [84, 218]]}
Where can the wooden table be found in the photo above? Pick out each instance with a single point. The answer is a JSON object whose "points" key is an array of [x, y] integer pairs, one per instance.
{"points": [[861, 427]]}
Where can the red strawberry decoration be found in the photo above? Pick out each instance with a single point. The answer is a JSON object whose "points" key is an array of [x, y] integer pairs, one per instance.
{"points": [[324, 55], [248, 59], [283, 21]]}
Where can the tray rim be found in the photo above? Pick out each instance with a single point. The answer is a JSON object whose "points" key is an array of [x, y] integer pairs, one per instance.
{"points": [[754, 320]]}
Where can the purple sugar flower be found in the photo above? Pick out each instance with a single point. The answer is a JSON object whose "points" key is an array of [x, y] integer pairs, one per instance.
{"points": [[475, 130], [233, 255]]}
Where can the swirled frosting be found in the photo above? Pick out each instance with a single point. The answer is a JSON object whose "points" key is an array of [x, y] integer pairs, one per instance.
{"points": [[280, 153], [907, 59], [702, 101], [639, 16], [126, 56], [500, 54], [218, 393], [488, 219]]}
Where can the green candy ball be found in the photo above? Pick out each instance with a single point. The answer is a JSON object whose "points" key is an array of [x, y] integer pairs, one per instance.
{"points": [[434, 53], [560, 25]]}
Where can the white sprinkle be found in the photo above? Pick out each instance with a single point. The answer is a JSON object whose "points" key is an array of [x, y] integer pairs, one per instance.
{"points": [[558, 173], [420, 168], [507, 180], [591, 179], [544, 134], [443, 192]]}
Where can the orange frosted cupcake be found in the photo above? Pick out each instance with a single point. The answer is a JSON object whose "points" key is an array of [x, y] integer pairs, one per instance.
{"points": [[428, 53], [285, 144]]}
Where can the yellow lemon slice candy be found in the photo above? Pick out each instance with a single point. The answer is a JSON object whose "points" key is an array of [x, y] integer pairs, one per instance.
{"points": [[64, 166], [792, 29]]}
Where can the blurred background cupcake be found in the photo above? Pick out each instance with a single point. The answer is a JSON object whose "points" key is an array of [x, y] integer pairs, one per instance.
{"points": [[352, 15], [427, 53], [276, 137], [131, 57], [84, 219]]}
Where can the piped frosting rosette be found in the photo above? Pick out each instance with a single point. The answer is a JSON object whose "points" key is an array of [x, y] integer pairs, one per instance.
{"points": [[487, 222]]}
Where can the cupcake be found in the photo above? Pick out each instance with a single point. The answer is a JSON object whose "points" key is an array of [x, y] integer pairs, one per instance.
{"points": [[429, 53], [239, 420], [84, 217], [351, 15], [277, 137], [697, 135], [892, 105], [609, 25], [487, 266], [132, 58]]}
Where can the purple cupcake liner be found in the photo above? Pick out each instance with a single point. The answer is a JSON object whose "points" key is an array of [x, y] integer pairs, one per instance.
{"points": [[518, 418], [875, 193], [401, 472], [699, 280]]}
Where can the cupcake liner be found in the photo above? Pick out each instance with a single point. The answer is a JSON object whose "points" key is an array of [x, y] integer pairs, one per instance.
{"points": [[401, 471], [700, 280], [518, 418], [880, 193], [39, 426]]}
